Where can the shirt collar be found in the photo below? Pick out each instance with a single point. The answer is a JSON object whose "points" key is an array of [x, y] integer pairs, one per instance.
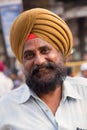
{"points": [[69, 91], [21, 94]]}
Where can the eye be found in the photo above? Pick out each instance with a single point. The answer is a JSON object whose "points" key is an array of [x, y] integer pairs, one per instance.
{"points": [[45, 50], [28, 55]]}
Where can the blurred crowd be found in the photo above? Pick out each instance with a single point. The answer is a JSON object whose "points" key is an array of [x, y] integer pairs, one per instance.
{"points": [[81, 67], [9, 79]]}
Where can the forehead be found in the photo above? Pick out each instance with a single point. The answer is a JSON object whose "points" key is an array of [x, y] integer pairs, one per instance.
{"points": [[36, 43]]}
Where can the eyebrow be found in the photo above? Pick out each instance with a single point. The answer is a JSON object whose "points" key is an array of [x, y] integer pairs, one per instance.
{"points": [[43, 47], [27, 51]]}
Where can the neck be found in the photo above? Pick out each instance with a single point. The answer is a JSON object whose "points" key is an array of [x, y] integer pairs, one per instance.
{"points": [[52, 99]]}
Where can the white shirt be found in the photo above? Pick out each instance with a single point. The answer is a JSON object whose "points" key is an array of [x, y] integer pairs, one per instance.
{"points": [[23, 110], [6, 84]]}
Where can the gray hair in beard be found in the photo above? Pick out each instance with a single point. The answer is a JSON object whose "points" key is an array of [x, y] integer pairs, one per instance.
{"points": [[44, 87]]}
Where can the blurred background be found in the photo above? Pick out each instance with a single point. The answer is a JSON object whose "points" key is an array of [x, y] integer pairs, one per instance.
{"points": [[74, 12]]}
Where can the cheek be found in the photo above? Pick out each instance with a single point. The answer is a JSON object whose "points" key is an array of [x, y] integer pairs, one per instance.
{"points": [[59, 60], [53, 57], [27, 67], [56, 58]]}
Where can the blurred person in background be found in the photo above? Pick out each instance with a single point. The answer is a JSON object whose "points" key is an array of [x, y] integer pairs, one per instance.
{"points": [[70, 72], [42, 42], [6, 84], [83, 70], [17, 77]]}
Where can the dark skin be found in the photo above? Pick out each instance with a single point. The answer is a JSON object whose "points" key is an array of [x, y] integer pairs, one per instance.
{"points": [[36, 52]]}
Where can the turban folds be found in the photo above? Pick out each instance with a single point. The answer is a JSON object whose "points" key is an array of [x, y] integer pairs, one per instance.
{"points": [[45, 25]]}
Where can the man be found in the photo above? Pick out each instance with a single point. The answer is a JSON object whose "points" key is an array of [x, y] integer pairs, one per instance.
{"points": [[6, 84], [42, 41], [83, 70]]}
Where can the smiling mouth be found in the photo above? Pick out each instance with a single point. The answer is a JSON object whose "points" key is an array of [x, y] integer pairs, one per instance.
{"points": [[42, 72]]}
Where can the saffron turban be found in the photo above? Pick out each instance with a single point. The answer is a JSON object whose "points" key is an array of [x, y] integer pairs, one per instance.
{"points": [[45, 25]]}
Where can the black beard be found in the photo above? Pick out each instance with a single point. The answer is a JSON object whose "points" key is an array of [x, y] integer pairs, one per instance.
{"points": [[46, 86]]}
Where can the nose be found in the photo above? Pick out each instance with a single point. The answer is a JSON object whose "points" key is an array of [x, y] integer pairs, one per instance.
{"points": [[39, 60]]}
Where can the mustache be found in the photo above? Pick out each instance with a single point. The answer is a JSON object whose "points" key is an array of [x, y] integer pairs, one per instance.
{"points": [[48, 65]]}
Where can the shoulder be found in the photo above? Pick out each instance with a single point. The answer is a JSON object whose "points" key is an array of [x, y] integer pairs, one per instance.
{"points": [[79, 84], [77, 81], [18, 95]]}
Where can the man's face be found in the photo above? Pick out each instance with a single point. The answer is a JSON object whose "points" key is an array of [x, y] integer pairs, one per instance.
{"points": [[44, 66], [84, 73]]}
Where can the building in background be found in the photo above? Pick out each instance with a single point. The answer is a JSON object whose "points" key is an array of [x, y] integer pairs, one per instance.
{"points": [[75, 13], [9, 10]]}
